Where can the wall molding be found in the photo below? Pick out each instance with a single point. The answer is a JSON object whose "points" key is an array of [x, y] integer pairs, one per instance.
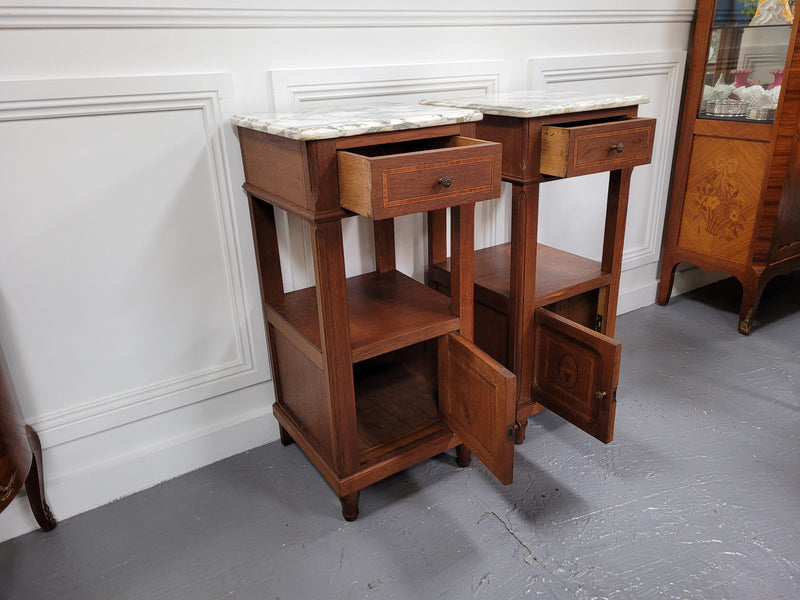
{"points": [[132, 17], [547, 72], [55, 99], [301, 89]]}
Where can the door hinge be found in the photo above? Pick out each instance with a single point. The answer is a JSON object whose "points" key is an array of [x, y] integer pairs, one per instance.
{"points": [[511, 429], [598, 324]]}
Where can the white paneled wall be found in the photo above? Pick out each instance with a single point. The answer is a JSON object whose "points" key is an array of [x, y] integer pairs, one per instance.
{"points": [[129, 310]]}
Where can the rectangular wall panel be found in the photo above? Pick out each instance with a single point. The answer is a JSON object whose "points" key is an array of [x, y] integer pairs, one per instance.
{"points": [[125, 287]]}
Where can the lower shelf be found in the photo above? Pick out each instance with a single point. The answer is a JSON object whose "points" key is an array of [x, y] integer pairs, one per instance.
{"points": [[396, 400]]}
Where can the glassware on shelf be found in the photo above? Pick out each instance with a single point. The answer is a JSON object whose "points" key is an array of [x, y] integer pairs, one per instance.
{"points": [[741, 76], [778, 74]]}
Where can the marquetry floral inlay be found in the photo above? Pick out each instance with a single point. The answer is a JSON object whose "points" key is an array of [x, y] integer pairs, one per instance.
{"points": [[720, 206]]}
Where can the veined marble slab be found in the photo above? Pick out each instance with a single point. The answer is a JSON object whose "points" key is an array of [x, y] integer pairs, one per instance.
{"points": [[354, 120], [538, 103]]}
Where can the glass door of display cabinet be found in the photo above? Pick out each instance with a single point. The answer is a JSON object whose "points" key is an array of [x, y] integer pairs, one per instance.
{"points": [[747, 52], [735, 197]]}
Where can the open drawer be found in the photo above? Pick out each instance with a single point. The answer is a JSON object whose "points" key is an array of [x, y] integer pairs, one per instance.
{"points": [[390, 180], [575, 373], [580, 149]]}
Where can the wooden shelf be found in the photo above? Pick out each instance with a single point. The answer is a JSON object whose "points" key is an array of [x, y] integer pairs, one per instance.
{"points": [[559, 275], [396, 401], [387, 311]]}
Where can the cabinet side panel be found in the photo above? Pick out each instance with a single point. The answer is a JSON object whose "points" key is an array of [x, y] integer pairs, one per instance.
{"points": [[509, 133], [786, 242], [300, 390], [276, 165], [722, 197]]}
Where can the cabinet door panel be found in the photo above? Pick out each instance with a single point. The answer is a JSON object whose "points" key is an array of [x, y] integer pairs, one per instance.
{"points": [[575, 373], [477, 399]]}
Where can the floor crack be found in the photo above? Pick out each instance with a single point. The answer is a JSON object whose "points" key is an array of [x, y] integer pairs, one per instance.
{"points": [[528, 559]]}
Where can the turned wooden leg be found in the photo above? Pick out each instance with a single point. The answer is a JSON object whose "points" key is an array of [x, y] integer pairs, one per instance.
{"points": [[519, 431], [34, 484], [463, 456], [286, 439], [349, 506]]}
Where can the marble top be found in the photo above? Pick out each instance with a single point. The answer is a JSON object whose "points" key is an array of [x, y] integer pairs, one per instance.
{"points": [[354, 120], [538, 103]]}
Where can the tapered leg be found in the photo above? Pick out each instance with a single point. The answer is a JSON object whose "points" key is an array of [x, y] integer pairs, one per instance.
{"points": [[349, 506], [666, 282], [463, 456], [34, 484], [751, 296]]}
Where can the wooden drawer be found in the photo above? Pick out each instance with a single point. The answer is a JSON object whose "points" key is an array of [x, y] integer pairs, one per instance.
{"points": [[581, 149], [575, 373], [398, 179]]}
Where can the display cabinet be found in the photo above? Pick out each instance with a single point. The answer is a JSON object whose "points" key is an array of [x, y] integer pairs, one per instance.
{"points": [[376, 372], [547, 314], [20, 454], [735, 197]]}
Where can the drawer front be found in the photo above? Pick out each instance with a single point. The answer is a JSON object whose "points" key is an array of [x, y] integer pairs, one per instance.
{"points": [[596, 147], [459, 171], [575, 373]]}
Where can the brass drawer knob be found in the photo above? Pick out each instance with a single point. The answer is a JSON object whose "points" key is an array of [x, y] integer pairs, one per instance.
{"points": [[618, 147], [445, 182]]}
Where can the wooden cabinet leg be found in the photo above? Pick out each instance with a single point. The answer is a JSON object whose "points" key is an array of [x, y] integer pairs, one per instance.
{"points": [[349, 506], [666, 282], [751, 296], [34, 484], [286, 439], [519, 432], [463, 456]]}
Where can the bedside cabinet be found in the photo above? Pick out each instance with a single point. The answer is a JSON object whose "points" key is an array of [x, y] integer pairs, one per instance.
{"points": [[376, 372], [546, 314]]}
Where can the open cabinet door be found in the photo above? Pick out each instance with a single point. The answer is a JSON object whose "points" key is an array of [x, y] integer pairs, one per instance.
{"points": [[575, 373], [477, 399]]}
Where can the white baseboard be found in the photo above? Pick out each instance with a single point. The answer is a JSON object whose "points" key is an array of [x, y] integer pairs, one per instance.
{"points": [[121, 474], [634, 295], [639, 297]]}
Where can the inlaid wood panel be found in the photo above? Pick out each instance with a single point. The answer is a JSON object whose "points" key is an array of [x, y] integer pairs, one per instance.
{"points": [[722, 197]]}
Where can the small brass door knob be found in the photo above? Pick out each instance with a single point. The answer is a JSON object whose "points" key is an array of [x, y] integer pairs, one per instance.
{"points": [[618, 147]]}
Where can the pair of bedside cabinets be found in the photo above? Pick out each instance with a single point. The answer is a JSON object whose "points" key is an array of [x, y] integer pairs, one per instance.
{"points": [[378, 372]]}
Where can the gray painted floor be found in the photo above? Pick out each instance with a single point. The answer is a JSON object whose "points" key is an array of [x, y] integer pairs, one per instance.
{"points": [[697, 497]]}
